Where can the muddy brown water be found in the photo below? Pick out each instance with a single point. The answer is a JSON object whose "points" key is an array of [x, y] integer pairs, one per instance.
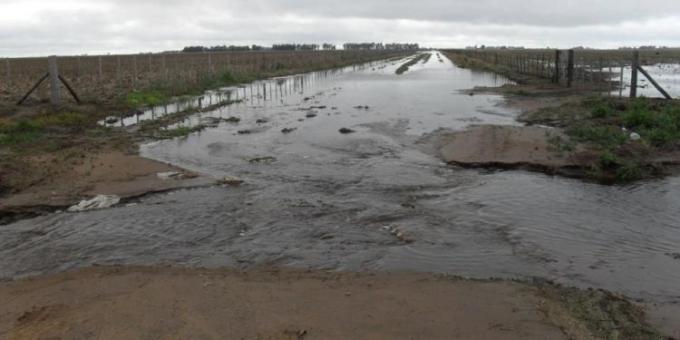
{"points": [[337, 201]]}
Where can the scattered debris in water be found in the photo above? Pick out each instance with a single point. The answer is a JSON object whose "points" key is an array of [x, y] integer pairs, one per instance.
{"points": [[288, 130], [674, 256], [262, 160], [362, 107], [233, 120], [210, 121], [397, 233], [311, 115], [244, 132], [262, 121], [230, 180], [346, 131], [98, 202]]}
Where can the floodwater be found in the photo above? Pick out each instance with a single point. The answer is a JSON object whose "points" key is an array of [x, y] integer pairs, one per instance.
{"points": [[666, 75], [316, 198]]}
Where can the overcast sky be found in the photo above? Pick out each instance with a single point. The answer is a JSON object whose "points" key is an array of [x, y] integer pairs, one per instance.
{"points": [[42, 27]]}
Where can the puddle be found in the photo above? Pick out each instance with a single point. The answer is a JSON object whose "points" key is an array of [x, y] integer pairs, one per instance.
{"points": [[372, 199]]}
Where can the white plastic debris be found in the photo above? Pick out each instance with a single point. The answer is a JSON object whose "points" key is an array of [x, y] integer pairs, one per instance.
{"points": [[98, 202], [169, 175], [634, 136]]}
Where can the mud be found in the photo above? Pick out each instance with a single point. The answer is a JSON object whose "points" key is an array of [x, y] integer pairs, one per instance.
{"points": [[507, 147], [169, 303], [104, 172]]}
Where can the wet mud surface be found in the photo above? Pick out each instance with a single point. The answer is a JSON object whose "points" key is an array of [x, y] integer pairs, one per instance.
{"points": [[374, 199]]}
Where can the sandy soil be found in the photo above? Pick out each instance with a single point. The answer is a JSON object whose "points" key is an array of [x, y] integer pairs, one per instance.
{"points": [[60, 179], [170, 303], [506, 147]]}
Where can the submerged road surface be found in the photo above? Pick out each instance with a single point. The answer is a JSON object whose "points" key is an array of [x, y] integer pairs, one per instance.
{"points": [[375, 199]]}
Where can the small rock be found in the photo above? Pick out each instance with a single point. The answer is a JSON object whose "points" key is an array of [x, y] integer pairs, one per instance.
{"points": [[262, 160], [288, 130], [634, 136], [346, 131]]}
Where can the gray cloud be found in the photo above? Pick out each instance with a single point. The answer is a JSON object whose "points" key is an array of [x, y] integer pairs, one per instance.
{"points": [[32, 27]]}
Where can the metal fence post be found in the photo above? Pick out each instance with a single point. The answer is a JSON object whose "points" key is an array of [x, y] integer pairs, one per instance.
{"points": [[53, 70]]}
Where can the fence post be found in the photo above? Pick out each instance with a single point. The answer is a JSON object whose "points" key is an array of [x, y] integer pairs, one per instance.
{"points": [[634, 74], [134, 72], [53, 71], [570, 68], [9, 75], [556, 76], [101, 72]]}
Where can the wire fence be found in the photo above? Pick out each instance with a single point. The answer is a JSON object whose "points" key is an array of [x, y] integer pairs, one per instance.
{"points": [[606, 71], [101, 78]]}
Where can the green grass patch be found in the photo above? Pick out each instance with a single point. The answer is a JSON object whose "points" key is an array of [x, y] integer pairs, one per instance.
{"points": [[146, 98], [604, 136], [28, 130]]}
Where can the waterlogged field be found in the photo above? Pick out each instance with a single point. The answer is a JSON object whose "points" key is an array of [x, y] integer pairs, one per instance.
{"points": [[339, 175], [111, 78]]}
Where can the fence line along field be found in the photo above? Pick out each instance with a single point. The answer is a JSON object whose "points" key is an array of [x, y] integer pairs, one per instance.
{"points": [[107, 78], [609, 71]]}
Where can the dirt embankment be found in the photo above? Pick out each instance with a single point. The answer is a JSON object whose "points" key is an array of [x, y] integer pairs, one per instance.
{"points": [[170, 303], [509, 147], [59, 180]]}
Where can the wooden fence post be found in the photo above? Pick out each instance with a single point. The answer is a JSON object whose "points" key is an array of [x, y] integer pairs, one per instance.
{"points": [[101, 71], [634, 74], [556, 76], [570, 68], [53, 70], [8, 75], [134, 72]]}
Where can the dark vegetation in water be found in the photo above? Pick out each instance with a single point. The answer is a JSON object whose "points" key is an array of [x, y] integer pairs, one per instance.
{"points": [[420, 57], [480, 65]]}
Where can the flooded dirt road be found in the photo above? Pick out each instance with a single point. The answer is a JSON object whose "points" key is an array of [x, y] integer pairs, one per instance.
{"points": [[375, 199]]}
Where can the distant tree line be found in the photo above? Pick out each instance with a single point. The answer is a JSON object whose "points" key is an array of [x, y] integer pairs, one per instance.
{"points": [[222, 48], [302, 47], [380, 46]]}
